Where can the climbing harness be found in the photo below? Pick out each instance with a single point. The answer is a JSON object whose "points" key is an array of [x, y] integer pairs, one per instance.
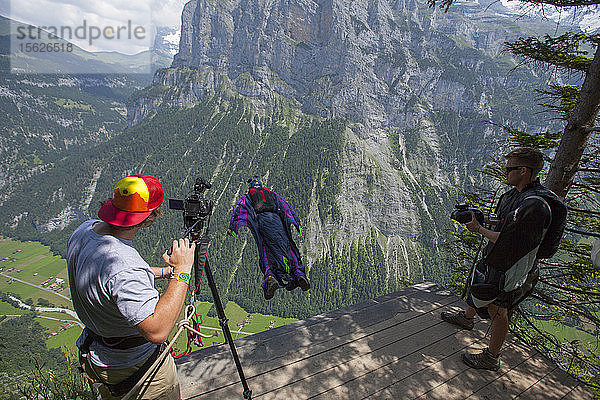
{"points": [[187, 323]]}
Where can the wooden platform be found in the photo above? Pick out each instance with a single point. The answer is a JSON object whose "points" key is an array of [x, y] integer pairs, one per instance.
{"points": [[392, 347]]}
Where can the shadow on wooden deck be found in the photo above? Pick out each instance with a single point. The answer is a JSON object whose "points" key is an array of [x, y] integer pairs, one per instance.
{"points": [[392, 347]]}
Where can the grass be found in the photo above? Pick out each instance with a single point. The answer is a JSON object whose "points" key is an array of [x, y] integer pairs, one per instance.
{"points": [[29, 250], [37, 264], [65, 339], [68, 103], [569, 334], [235, 314], [7, 309], [30, 292]]}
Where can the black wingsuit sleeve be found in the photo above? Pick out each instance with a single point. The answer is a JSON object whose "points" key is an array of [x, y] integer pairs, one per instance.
{"points": [[522, 232]]}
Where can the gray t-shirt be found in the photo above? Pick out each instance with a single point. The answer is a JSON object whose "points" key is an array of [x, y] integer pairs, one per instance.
{"points": [[112, 289]]}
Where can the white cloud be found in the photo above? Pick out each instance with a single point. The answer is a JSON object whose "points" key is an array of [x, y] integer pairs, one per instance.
{"points": [[167, 12], [587, 18], [101, 15]]}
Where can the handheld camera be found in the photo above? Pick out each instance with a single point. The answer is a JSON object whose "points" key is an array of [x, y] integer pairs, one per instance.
{"points": [[462, 213]]}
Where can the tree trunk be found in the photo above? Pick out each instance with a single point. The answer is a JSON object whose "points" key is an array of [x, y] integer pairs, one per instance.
{"points": [[577, 132]]}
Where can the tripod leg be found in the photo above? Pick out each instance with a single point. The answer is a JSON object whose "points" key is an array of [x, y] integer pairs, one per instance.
{"points": [[223, 322]]}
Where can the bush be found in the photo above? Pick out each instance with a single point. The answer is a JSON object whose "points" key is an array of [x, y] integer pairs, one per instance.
{"points": [[44, 303]]}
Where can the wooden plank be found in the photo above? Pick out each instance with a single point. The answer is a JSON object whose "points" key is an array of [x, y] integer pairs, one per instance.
{"points": [[380, 354], [553, 385], [364, 314], [275, 351], [579, 393], [276, 375], [517, 380], [407, 299], [450, 378], [392, 347], [418, 356]]}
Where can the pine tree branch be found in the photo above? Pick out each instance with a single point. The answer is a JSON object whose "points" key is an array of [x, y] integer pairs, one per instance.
{"points": [[445, 4], [573, 198], [580, 232], [572, 251], [558, 347], [570, 290], [587, 187], [595, 170], [564, 3], [562, 51], [591, 317], [556, 276], [583, 210]]}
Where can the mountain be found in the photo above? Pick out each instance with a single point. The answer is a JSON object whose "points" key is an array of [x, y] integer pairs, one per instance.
{"points": [[370, 117], [415, 84], [45, 118], [166, 42], [74, 60]]}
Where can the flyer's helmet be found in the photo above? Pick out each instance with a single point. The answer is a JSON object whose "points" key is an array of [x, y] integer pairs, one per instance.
{"points": [[254, 183]]}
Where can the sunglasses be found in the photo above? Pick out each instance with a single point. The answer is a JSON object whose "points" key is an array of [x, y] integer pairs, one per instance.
{"points": [[508, 169]]}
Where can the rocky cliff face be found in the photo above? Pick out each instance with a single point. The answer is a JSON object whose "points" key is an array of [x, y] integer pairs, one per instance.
{"points": [[415, 83]]}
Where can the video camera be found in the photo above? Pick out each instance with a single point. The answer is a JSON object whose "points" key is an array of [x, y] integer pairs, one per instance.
{"points": [[462, 213], [196, 208]]}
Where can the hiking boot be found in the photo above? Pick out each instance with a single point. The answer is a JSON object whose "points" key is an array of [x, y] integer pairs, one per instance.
{"points": [[270, 287], [458, 318], [303, 283], [483, 360]]}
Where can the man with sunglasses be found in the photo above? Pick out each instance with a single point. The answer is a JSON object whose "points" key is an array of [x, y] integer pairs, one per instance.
{"points": [[508, 271]]}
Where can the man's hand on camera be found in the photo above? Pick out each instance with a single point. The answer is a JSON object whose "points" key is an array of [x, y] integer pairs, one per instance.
{"points": [[182, 256], [473, 225]]}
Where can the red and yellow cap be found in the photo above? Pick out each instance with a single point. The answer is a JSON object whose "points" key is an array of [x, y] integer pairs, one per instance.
{"points": [[134, 199]]}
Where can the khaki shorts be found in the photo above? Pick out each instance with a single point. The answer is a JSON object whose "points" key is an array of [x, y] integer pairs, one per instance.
{"points": [[162, 384]]}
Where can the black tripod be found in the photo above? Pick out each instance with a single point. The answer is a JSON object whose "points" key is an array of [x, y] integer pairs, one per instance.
{"points": [[201, 264], [196, 212]]}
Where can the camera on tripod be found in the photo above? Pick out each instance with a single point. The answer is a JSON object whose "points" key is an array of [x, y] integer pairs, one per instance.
{"points": [[196, 208], [196, 212], [462, 213]]}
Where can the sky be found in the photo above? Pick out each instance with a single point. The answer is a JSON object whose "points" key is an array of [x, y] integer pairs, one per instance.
{"points": [[587, 18], [114, 21]]}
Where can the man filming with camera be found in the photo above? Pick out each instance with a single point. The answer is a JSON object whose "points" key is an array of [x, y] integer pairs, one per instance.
{"points": [[531, 220], [113, 293]]}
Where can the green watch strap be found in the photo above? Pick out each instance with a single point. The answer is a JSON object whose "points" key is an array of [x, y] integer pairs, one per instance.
{"points": [[183, 277]]}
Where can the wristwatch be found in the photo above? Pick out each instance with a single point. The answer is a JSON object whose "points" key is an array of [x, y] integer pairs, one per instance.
{"points": [[183, 277]]}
